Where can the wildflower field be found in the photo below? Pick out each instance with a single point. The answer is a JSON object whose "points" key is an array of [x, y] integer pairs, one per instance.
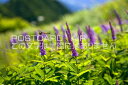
{"points": [[63, 56], [89, 59]]}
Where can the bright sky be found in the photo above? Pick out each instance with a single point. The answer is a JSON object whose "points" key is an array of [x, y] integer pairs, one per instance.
{"points": [[76, 5], [3, 1]]}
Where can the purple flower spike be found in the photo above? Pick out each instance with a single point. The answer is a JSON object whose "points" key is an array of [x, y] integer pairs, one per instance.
{"points": [[112, 31], [126, 11], [44, 35], [68, 30], [80, 38], [125, 21], [41, 45], [36, 35], [74, 52], [105, 28], [117, 82], [119, 20], [91, 35], [12, 41], [57, 37], [25, 35], [100, 41], [64, 34]]}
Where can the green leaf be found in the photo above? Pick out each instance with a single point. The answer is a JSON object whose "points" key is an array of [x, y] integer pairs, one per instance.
{"points": [[109, 79], [72, 68], [89, 82], [101, 62], [81, 73], [50, 73], [40, 72], [53, 79], [1, 80], [105, 58], [36, 77]]}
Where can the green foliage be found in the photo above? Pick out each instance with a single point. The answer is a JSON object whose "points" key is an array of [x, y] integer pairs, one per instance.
{"points": [[7, 24], [93, 66]]}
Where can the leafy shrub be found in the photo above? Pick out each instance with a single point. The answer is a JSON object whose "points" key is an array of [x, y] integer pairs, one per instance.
{"points": [[8, 24]]}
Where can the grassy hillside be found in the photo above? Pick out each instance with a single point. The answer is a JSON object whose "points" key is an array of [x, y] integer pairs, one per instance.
{"points": [[96, 16], [51, 10]]}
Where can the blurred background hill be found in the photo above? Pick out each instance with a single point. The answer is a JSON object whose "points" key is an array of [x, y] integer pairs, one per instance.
{"points": [[21, 14], [30, 10], [96, 15]]}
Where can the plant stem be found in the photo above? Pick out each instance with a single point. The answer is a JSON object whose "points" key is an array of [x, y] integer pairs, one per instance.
{"points": [[77, 70]]}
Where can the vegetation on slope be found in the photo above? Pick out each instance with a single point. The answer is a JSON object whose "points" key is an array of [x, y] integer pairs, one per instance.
{"points": [[98, 15], [51, 10]]}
